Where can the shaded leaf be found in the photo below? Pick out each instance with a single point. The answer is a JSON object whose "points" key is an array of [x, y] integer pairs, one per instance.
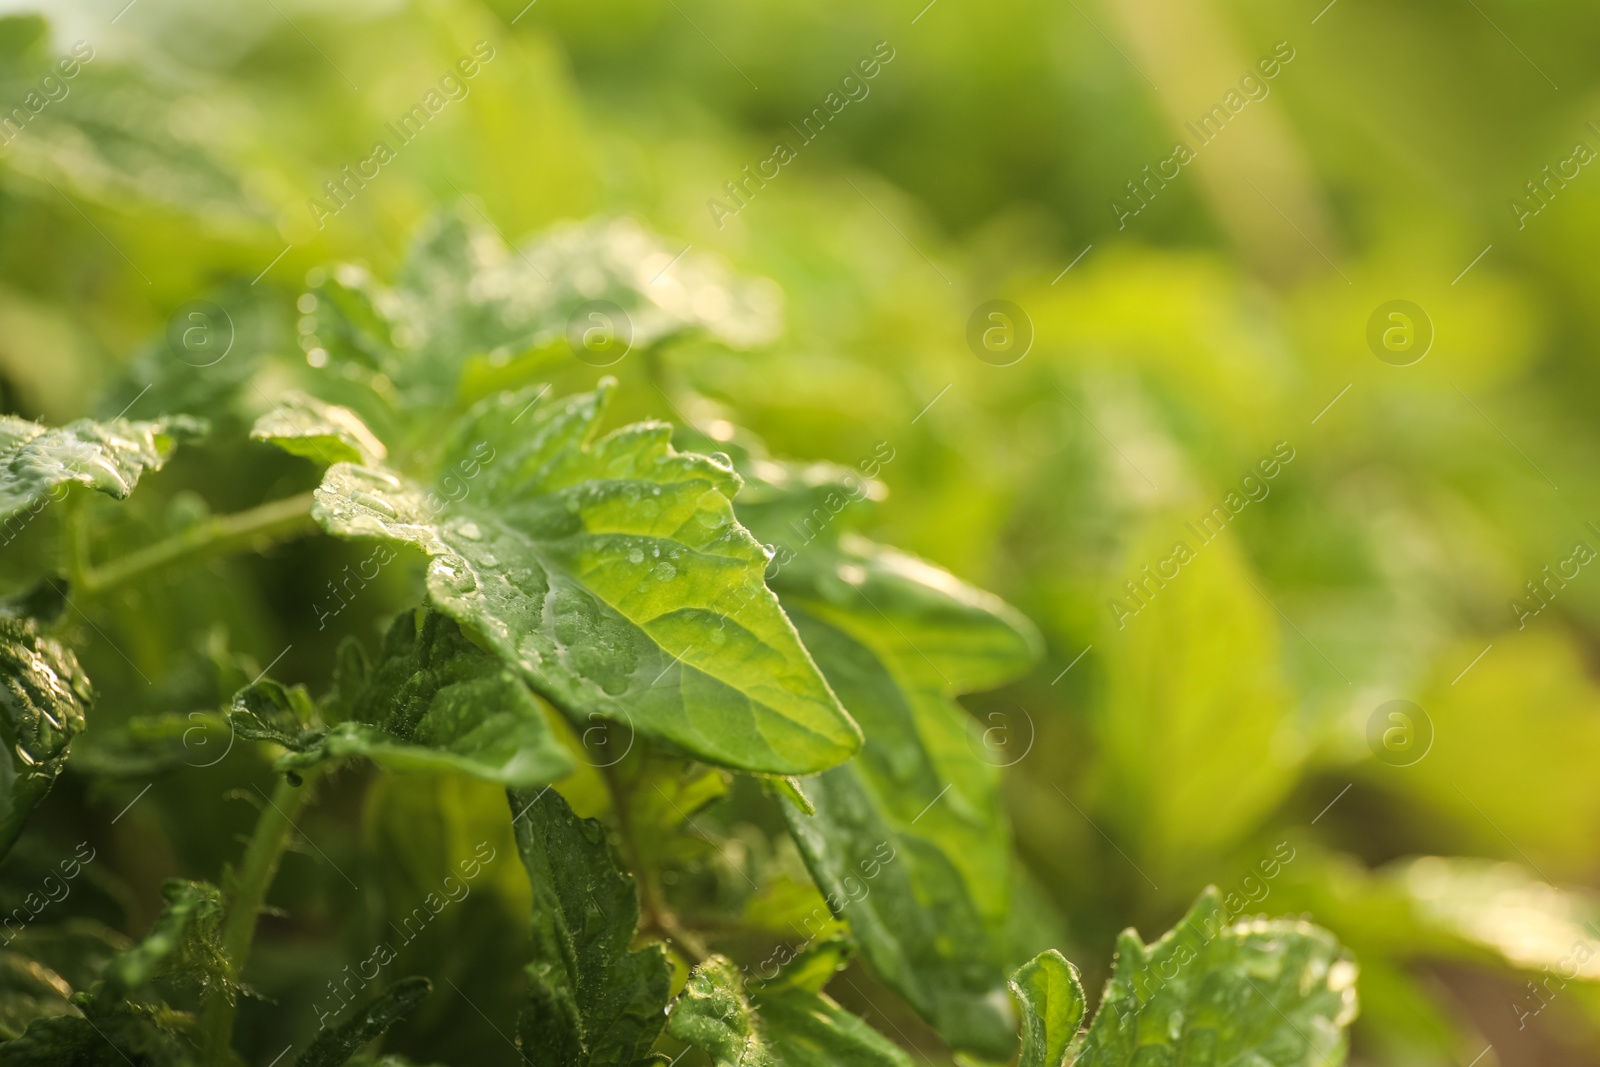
{"points": [[127, 1037], [43, 697], [593, 1001], [108, 456], [795, 1028], [433, 701], [328, 433], [612, 574], [185, 944], [908, 843], [334, 1047], [1052, 1002], [1213, 994]]}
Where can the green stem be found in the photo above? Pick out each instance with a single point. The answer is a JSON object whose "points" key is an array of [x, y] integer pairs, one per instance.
{"points": [[247, 893], [654, 914], [75, 539], [276, 520]]}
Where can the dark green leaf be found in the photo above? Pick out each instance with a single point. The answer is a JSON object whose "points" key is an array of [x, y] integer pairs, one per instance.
{"points": [[1051, 998], [1215, 994], [43, 697], [433, 701], [185, 945], [127, 1037], [795, 1028], [109, 456], [594, 1002], [45, 600], [612, 574], [333, 1048]]}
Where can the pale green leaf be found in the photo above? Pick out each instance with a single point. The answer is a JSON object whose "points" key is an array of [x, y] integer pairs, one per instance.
{"points": [[1196, 729], [109, 456], [43, 697], [594, 1002], [1214, 994], [794, 1028], [1051, 997], [612, 574], [433, 701], [462, 293], [328, 433]]}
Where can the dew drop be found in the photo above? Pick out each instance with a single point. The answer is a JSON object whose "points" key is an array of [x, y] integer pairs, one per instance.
{"points": [[470, 531], [665, 571], [635, 555]]}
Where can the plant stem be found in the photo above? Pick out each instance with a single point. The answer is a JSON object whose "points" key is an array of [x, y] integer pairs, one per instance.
{"points": [[276, 520], [75, 539], [247, 893], [654, 913]]}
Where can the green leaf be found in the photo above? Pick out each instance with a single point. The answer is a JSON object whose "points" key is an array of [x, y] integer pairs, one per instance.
{"points": [[462, 293], [43, 697], [305, 426], [127, 1037], [1213, 994], [109, 456], [795, 1028], [909, 843], [185, 944], [1052, 1002], [333, 1048], [433, 701], [593, 1001], [612, 574], [1195, 729]]}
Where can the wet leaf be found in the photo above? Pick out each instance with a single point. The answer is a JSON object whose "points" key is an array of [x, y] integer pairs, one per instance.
{"points": [[327, 433], [611, 573], [43, 697], [335, 1047], [462, 293], [908, 842], [184, 945], [1213, 994], [593, 1001], [1052, 1002], [109, 456], [794, 1028], [433, 701]]}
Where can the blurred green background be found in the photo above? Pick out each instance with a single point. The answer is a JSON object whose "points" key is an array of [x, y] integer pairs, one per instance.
{"points": [[1223, 323]]}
